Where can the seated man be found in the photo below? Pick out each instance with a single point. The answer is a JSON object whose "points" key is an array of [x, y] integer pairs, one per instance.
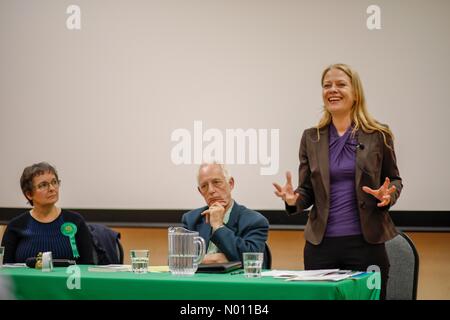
{"points": [[229, 229]]}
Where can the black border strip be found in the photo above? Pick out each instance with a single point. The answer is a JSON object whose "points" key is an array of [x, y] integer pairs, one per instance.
{"points": [[435, 221]]}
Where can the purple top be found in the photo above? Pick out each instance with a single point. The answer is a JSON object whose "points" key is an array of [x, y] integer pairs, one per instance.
{"points": [[343, 219]]}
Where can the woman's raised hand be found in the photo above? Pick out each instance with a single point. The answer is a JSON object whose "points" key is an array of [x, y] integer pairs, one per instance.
{"points": [[383, 193], [287, 192]]}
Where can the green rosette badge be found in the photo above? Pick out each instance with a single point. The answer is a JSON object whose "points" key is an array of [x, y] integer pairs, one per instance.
{"points": [[69, 230]]}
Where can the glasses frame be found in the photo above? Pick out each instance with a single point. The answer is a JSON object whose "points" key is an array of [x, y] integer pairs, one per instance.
{"points": [[45, 185]]}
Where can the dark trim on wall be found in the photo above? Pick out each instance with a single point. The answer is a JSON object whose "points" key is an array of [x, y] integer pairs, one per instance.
{"points": [[434, 221]]}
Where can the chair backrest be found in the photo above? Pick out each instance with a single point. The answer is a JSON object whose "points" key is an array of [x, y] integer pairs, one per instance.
{"points": [[107, 246], [404, 269], [267, 258]]}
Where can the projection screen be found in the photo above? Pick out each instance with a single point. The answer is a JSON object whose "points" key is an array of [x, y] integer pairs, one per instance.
{"points": [[126, 98]]}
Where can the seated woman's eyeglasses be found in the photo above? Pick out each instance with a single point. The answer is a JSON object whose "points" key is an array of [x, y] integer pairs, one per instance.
{"points": [[45, 186]]}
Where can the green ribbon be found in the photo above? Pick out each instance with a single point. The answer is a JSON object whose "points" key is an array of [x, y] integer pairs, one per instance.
{"points": [[69, 230]]}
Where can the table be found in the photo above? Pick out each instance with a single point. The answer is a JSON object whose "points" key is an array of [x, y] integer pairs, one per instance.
{"points": [[62, 283]]}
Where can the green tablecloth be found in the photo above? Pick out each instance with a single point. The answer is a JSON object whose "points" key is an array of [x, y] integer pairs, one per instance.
{"points": [[35, 284]]}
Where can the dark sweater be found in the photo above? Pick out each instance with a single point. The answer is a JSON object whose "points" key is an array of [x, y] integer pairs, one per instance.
{"points": [[25, 237]]}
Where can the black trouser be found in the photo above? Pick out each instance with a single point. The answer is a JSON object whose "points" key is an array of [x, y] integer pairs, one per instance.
{"points": [[348, 253]]}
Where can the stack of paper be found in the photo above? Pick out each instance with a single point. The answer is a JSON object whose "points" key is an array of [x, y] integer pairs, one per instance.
{"points": [[331, 276], [312, 275]]}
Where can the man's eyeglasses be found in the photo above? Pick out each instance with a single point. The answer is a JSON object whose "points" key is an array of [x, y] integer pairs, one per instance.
{"points": [[45, 186]]}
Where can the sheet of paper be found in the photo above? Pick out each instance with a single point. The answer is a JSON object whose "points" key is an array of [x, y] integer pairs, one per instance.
{"points": [[295, 273], [158, 268], [124, 268], [110, 268], [331, 276], [14, 265]]}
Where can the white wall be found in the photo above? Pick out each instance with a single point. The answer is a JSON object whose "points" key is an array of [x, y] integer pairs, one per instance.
{"points": [[102, 102]]}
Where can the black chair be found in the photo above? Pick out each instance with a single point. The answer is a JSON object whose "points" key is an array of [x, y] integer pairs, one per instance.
{"points": [[267, 258], [107, 246], [404, 269]]}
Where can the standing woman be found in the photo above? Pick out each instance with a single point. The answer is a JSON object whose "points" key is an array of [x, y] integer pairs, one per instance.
{"points": [[348, 174], [46, 227]]}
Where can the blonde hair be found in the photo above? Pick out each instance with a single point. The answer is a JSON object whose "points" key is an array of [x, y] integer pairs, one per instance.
{"points": [[359, 114]]}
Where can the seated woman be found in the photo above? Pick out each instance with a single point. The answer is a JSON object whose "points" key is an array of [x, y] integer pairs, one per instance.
{"points": [[46, 227]]}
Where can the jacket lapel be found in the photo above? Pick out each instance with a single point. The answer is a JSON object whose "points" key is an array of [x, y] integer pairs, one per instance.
{"points": [[322, 149], [362, 138], [232, 222]]}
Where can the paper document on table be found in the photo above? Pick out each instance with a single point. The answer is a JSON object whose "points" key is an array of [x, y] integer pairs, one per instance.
{"points": [[296, 273], [14, 265], [124, 268], [110, 268], [326, 276], [158, 269]]}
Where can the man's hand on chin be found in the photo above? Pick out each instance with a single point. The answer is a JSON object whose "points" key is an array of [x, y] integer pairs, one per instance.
{"points": [[216, 214], [214, 258]]}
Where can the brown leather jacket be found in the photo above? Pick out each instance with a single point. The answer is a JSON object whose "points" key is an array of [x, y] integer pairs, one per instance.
{"points": [[374, 162]]}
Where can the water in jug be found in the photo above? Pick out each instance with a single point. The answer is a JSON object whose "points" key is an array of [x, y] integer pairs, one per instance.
{"points": [[186, 251]]}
